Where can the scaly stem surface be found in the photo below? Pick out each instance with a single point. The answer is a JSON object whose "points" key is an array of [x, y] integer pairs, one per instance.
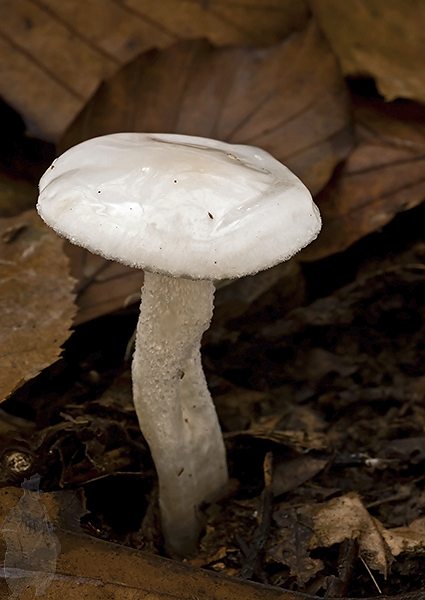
{"points": [[174, 407]]}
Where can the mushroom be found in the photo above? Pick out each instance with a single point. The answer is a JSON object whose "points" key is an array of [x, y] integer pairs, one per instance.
{"points": [[188, 210]]}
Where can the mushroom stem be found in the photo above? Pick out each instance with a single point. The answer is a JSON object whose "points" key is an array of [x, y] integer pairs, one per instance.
{"points": [[174, 407]]}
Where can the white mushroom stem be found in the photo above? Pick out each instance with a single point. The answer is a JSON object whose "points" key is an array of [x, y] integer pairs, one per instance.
{"points": [[174, 407]]}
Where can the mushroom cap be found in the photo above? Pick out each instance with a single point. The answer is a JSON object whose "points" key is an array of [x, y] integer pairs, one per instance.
{"points": [[178, 205]]}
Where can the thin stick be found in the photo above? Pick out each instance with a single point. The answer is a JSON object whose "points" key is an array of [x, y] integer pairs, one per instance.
{"points": [[371, 575]]}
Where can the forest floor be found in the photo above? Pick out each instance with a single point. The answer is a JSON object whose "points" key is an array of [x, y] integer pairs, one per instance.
{"points": [[323, 413]]}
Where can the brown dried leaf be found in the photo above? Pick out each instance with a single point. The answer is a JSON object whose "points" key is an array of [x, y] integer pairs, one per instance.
{"points": [[406, 539], [292, 473], [288, 99], [297, 427], [36, 299], [347, 518], [379, 38], [295, 533], [298, 440], [32, 545], [99, 570], [381, 177], [53, 55]]}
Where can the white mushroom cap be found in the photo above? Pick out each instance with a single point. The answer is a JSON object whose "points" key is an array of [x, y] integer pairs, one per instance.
{"points": [[178, 205]]}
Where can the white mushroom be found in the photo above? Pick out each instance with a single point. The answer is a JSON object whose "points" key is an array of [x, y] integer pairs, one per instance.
{"points": [[189, 211]]}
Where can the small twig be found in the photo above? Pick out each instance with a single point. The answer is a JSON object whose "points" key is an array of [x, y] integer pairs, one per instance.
{"points": [[348, 554], [252, 552]]}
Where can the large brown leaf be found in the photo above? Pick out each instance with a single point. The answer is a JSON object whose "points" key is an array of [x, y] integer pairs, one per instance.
{"points": [[288, 99], [36, 299], [53, 55], [381, 38], [384, 175], [98, 570]]}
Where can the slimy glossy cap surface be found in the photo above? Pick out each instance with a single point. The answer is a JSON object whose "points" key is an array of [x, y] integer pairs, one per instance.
{"points": [[178, 205]]}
